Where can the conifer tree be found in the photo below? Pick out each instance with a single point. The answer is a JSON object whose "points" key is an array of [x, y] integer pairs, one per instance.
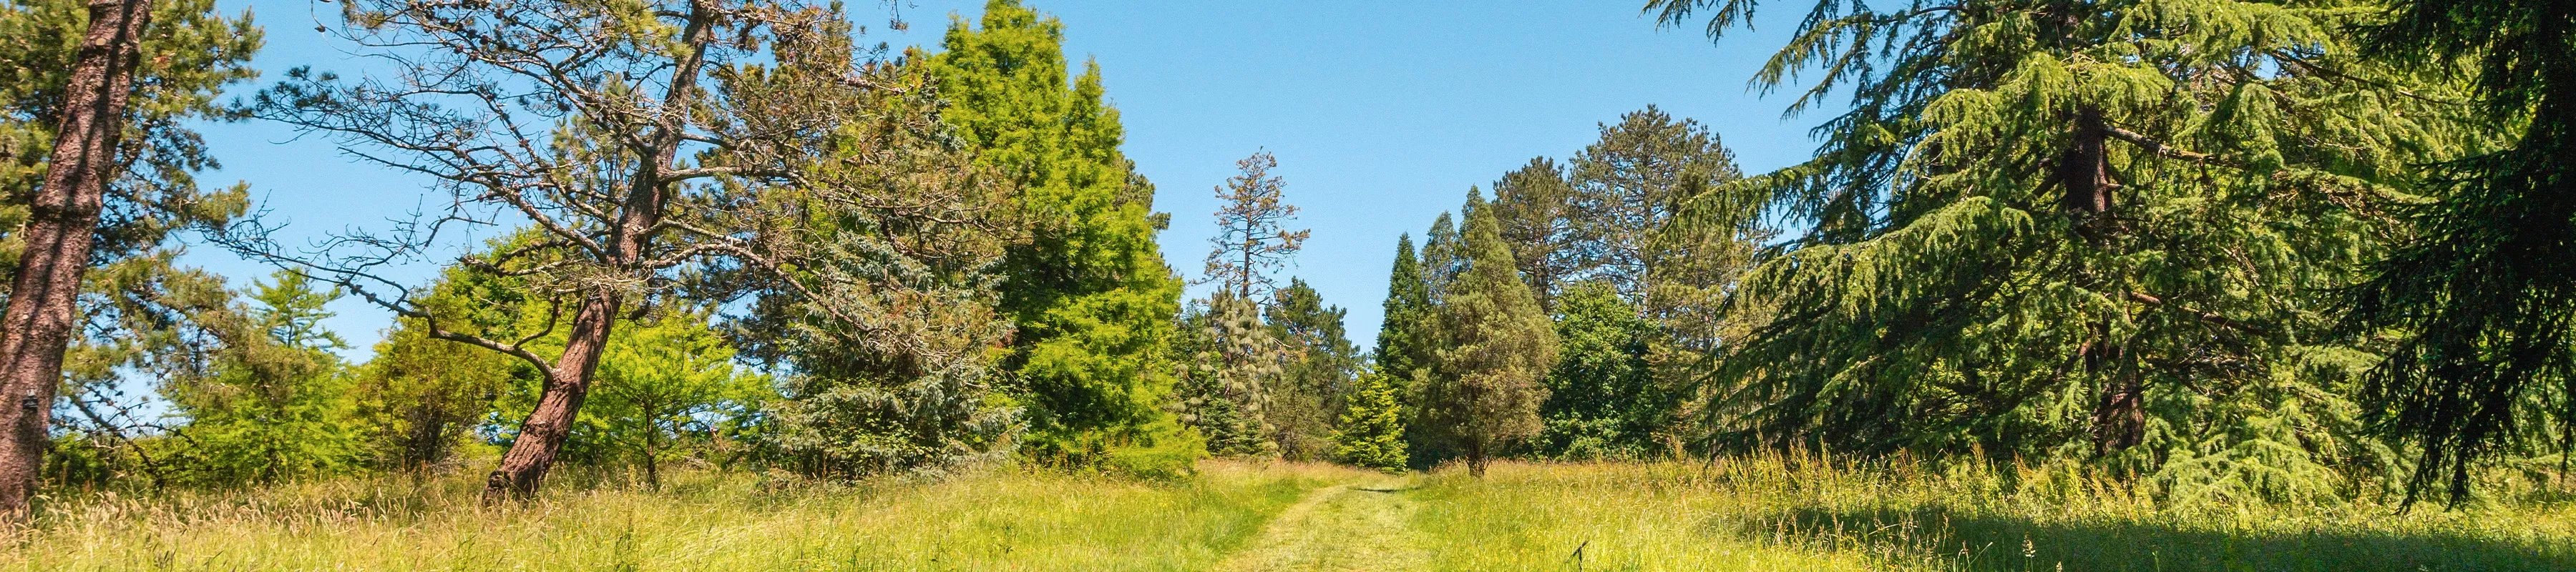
{"points": [[1251, 246], [2078, 229], [1401, 343], [2481, 292], [1318, 373], [1535, 206], [1090, 299], [122, 301], [1371, 430], [1495, 346]]}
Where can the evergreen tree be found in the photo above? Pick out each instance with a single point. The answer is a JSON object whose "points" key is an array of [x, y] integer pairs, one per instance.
{"points": [[137, 310], [1496, 346], [2079, 230], [1628, 184], [277, 406], [1087, 291], [1402, 347], [2481, 294], [1250, 246], [669, 389], [1227, 388], [1535, 206], [1318, 373], [1371, 431]]}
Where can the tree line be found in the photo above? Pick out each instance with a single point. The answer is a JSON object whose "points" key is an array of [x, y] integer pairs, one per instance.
{"points": [[2230, 249]]}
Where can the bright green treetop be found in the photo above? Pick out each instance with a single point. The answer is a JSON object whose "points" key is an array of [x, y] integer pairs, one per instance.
{"points": [[1088, 289]]}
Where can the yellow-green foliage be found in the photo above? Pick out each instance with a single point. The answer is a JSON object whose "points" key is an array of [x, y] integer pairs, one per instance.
{"points": [[700, 521]]}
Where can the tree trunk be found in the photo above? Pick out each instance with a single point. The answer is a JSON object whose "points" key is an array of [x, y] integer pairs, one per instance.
{"points": [[61, 225], [2085, 170], [1476, 458], [542, 435]]}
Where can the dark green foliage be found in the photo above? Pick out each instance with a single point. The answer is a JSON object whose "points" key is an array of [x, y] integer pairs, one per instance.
{"points": [[1535, 207], [2483, 294], [1318, 375], [1401, 345], [2079, 230], [1371, 430], [1604, 400], [1086, 291], [1626, 186], [1484, 392]]}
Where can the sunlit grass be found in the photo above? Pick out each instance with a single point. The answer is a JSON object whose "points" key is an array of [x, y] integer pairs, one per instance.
{"points": [[1760, 513], [1776, 513], [1006, 520]]}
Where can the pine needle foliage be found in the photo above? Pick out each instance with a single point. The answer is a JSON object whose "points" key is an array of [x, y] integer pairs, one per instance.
{"points": [[2480, 295], [2093, 229]]}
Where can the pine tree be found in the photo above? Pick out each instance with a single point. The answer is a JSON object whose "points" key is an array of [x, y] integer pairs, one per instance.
{"points": [[277, 406], [1250, 245], [1627, 185], [2079, 230], [1484, 393], [1534, 205], [1227, 386], [1087, 292], [1318, 374], [134, 307], [1371, 430]]}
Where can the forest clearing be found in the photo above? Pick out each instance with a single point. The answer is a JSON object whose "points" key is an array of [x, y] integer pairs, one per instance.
{"points": [[746, 285], [1774, 513]]}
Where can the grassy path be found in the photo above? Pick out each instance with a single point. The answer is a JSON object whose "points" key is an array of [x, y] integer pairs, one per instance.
{"points": [[1352, 526]]}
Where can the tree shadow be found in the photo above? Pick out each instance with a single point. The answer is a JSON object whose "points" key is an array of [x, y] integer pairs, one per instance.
{"points": [[1995, 543]]}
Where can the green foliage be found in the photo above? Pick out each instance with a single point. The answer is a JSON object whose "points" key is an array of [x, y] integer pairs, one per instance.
{"points": [[1318, 374], [2080, 230], [1371, 430], [2478, 295], [1604, 400], [668, 389], [276, 407], [1496, 346], [1227, 388], [1401, 344], [145, 314], [1087, 291]]}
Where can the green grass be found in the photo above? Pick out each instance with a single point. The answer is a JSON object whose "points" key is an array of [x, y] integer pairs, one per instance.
{"points": [[1736, 514], [706, 521], [1785, 514]]}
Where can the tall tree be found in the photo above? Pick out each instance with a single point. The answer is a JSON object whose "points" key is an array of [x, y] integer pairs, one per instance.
{"points": [[1087, 291], [277, 405], [1402, 347], [2480, 293], [1227, 386], [612, 130], [1535, 206], [1250, 245], [1496, 345], [1318, 374], [98, 162], [1628, 184], [2094, 236]]}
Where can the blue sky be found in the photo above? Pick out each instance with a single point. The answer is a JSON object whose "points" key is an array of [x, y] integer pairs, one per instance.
{"points": [[1382, 114]]}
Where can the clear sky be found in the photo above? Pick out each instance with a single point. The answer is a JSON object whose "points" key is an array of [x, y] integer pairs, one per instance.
{"points": [[1382, 114]]}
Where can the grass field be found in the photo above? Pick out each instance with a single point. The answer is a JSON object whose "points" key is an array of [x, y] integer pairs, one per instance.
{"points": [[1757, 514]]}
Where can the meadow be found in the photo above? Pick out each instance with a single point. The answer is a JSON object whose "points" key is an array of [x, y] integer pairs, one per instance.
{"points": [[1737, 514]]}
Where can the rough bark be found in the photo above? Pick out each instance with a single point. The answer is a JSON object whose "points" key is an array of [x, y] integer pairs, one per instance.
{"points": [[2085, 169], [639, 217], [61, 226]]}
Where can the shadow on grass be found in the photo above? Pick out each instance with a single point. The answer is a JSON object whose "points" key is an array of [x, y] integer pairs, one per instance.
{"points": [[1994, 543]]}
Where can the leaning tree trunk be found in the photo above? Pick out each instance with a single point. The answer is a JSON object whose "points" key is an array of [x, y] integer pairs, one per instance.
{"points": [[542, 435], [61, 225]]}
